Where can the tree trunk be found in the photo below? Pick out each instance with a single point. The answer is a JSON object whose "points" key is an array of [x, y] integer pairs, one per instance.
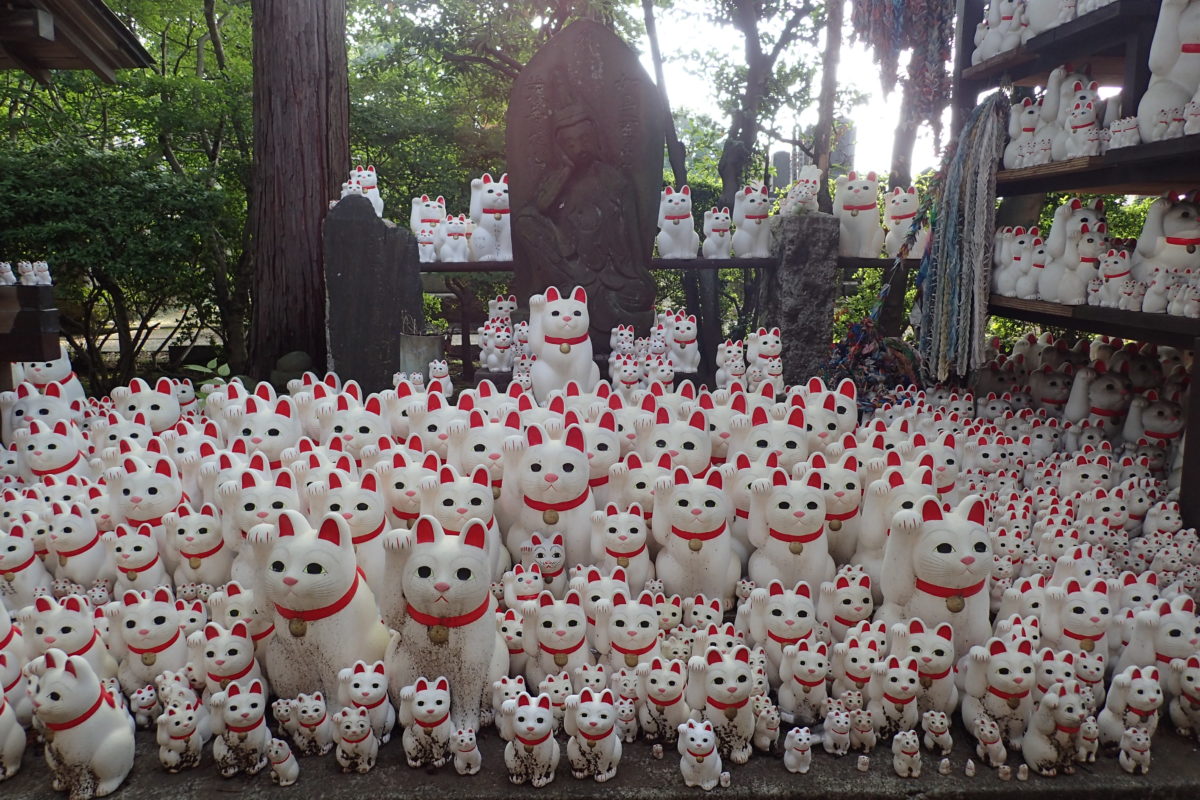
{"points": [[891, 316], [823, 133], [301, 154]]}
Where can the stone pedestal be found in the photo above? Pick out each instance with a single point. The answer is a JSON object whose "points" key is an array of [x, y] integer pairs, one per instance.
{"points": [[799, 294], [373, 293]]}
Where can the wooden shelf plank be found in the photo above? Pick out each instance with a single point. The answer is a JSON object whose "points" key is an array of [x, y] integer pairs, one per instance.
{"points": [[655, 263], [1151, 168], [1156, 328], [846, 262]]}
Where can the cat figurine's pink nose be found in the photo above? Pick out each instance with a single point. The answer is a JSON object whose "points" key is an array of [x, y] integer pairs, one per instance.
{"points": [[442, 586], [290, 581], [551, 478]]}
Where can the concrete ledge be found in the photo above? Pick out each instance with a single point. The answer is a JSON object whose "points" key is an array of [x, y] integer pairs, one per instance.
{"points": [[1175, 774]]}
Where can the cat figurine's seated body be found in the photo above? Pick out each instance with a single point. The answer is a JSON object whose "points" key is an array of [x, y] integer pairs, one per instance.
{"points": [[491, 239], [425, 714], [559, 337], [90, 743], [239, 723], [677, 237], [532, 752], [700, 761], [856, 205], [594, 749], [751, 209]]}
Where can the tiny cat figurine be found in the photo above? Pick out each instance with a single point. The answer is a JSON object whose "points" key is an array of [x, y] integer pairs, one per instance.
{"points": [[561, 342], [242, 737], [935, 654], [862, 730], [797, 751], [1051, 741], [718, 239], [532, 752], [836, 738], [700, 761], [196, 535], [893, 693], [467, 760], [312, 733], [802, 681], [555, 636], [622, 536], [357, 746], [285, 769], [424, 711], [677, 237], [906, 754], [766, 729], [136, 559], [627, 719], [751, 208], [1134, 698], [144, 705], [366, 686], [1089, 741], [662, 689], [719, 685], [12, 735], [936, 725], [1000, 677], [522, 585], [24, 575], [1135, 751], [223, 655], [901, 210], [426, 212], [856, 205], [787, 528], [594, 748], [990, 744], [89, 737], [180, 740]]}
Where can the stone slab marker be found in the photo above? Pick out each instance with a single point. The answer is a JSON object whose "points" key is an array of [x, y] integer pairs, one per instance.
{"points": [[799, 294], [585, 137], [372, 290]]}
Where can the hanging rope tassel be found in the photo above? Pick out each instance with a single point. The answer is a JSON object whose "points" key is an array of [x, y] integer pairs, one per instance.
{"points": [[955, 277]]}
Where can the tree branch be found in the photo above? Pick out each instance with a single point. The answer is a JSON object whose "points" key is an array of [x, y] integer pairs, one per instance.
{"points": [[495, 65]]}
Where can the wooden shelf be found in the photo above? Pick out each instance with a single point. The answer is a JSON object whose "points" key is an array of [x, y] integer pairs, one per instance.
{"points": [[1164, 329], [1098, 39], [846, 262], [1152, 168], [655, 263]]}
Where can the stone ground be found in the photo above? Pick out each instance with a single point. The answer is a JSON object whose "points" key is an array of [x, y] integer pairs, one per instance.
{"points": [[1175, 774]]}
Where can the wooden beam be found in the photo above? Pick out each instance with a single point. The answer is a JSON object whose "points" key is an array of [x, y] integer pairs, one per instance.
{"points": [[99, 61], [30, 68], [26, 25]]}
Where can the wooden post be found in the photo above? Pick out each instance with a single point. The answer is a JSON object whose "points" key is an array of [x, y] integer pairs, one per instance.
{"points": [[1189, 498], [798, 295], [373, 290]]}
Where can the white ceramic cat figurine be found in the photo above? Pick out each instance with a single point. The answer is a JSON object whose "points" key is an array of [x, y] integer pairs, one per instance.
{"points": [[719, 686], [900, 208], [424, 711], [467, 759], [89, 747], [239, 723], [662, 689], [691, 524], [751, 207], [532, 752], [787, 529], [797, 750], [1134, 698], [802, 197], [149, 627], [906, 754], [1184, 707], [366, 686], [1175, 75], [136, 558], [453, 238], [936, 725], [285, 769], [856, 205], [685, 352], [448, 623], [492, 238], [999, 679], [1135, 751], [322, 618], [426, 213], [24, 575], [700, 761], [677, 237], [1051, 741], [626, 630], [718, 236], [594, 748], [179, 738], [559, 338], [555, 635], [69, 626], [893, 693], [622, 536]]}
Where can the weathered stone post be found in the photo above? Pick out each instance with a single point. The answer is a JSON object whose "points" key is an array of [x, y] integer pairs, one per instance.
{"points": [[372, 291], [799, 294]]}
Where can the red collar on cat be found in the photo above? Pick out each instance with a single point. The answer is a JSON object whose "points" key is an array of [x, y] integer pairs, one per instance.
{"points": [[15, 570], [555, 652], [935, 677], [88, 646], [206, 553], [41, 473], [810, 684], [843, 517], [237, 676], [755, 216], [1067, 730], [81, 550], [286, 758], [1008, 695], [948, 591], [717, 704], [312, 726], [601, 481], [677, 216], [785, 641], [153, 523], [247, 728], [496, 210], [366, 537], [533, 742], [264, 633], [1103, 412], [898, 701], [867, 207], [430, 621], [12, 631], [41, 387], [616, 554], [142, 568], [489, 524], [634, 652], [744, 513], [1157, 435], [912, 214], [1144, 713], [1084, 637], [405, 515], [849, 623], [433, 724], [155, 649], [702, 755], [362, 738], [311, 615], [1170, 239], [595, 737], [538, 505], [85, 716], [803, 538], [662, 703], [703, 536], [580, 339], [858, 680], [369, 706]]}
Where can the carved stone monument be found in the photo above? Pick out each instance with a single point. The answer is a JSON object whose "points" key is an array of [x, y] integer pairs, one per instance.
{"points": [[585, 133]]}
